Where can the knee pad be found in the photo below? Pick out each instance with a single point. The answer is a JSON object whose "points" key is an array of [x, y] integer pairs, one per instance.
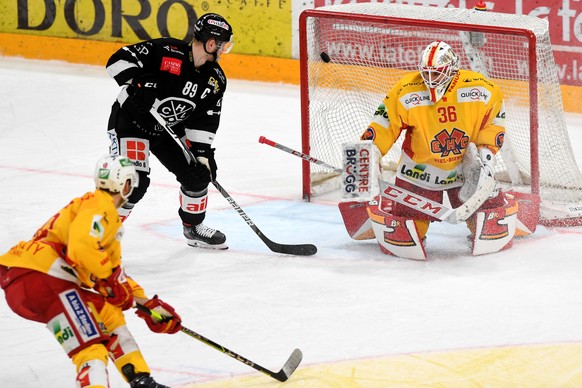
{"points": [[398, 236], [190, 182], [493, 229]]}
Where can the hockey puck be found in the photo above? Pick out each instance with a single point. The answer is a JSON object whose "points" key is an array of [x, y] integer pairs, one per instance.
{"points": [[325, 57]]}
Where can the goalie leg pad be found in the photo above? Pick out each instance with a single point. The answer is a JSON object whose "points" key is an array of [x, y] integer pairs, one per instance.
{"points": [[493, 229], [356, 220], [528, 213], [398, 236]]}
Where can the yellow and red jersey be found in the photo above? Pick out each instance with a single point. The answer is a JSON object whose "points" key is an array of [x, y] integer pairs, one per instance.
{"points": [[80, 243], [437, 134]]}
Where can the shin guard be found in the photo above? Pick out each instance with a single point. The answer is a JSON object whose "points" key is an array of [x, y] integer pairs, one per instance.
{"points": [[93, 374], [123, 350]]}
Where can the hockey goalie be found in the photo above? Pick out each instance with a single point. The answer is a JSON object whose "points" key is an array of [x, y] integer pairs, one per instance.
{"points": [[453, 123]]}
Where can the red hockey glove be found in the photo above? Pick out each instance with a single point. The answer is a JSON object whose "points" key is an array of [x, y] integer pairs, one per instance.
{"points": [[172, 323], [116, 289]]}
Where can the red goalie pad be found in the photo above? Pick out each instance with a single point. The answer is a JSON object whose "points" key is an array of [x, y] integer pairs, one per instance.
{"points": [[356, 220], [397, 236], [528, 214]]}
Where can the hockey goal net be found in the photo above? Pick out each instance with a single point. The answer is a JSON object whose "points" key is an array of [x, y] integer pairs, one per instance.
{"points": [[352, 54]]}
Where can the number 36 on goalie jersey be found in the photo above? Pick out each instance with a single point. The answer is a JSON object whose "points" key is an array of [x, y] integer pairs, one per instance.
{"points": [[437, 134]]}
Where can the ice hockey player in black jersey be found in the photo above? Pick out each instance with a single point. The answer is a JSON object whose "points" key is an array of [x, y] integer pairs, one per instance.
{"points": [[185, 84]]}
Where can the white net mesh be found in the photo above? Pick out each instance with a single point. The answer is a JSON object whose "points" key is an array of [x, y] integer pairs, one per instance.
{"points": [[364, 57]]}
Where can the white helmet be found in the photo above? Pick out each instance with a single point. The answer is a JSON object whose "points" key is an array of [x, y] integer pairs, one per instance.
{"points": [[438, 65], [111, 173]]}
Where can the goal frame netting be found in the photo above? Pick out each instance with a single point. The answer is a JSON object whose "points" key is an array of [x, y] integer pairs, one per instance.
{"points": [[308, 57]]}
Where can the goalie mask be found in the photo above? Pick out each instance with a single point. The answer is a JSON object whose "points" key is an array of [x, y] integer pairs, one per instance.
{"points": [[438, 65], [111, 173]]}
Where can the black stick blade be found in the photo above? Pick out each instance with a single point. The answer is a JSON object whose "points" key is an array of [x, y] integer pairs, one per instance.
{"points": [[299, 249]]}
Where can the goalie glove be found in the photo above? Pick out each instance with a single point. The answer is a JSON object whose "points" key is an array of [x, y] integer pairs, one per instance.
{"points": [[476, 164], [116, 289], [171, 322]]}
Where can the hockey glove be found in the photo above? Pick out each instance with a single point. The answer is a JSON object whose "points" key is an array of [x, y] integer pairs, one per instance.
{"points": [[116, 289], [142, 96], [205, 167], [171, 323]]}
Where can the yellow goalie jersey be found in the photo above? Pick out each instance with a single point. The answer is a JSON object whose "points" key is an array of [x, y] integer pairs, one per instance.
{"points": [[437, 134], [81, 243]]}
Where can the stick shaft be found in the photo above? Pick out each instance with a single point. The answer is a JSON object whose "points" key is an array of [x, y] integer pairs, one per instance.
{"points": [[291, 151], [282, 375]]}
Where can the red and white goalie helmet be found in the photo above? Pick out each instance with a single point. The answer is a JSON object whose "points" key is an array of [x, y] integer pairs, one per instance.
{"points": [[438, 65], [111, 173]]}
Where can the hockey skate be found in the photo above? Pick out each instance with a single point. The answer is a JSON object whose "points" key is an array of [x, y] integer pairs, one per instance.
{"points": [[144, 380], [140, 380], [204, 237]]}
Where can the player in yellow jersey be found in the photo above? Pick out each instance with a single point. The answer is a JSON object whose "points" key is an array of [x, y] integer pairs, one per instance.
{"points": [[69, 276], [454, 124]]}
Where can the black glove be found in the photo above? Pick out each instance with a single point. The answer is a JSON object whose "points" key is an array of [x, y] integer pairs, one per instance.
{"points": [[144, 90], [142, 95], [205, 167]]}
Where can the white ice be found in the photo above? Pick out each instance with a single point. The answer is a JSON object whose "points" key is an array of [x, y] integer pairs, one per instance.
{"points": [[347, 302]]}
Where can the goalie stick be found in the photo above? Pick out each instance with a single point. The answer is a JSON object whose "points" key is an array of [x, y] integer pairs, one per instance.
{"points": [[407, 198], [283, 375], [289, 249]]}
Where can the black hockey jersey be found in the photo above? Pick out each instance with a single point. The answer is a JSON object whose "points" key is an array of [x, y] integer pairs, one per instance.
{"points": [[188, 98]]}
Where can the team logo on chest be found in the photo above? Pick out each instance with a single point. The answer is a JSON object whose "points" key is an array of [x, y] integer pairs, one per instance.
{"points": [[175, 110], [445, 143]]}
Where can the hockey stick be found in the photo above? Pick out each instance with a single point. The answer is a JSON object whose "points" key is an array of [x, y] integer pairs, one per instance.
{"points": [[283, 375], [264, 140], [293, 249], [407, 198]]}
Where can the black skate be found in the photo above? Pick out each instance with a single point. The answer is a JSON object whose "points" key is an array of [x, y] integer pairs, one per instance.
{"points": [[144, 380], [204, 237], [139, 380]]}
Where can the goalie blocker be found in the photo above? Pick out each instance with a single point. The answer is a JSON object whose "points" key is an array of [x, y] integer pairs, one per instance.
{"points": [[493, 226]]}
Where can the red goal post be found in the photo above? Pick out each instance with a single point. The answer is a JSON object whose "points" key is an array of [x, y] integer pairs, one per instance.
{"points": [[352, 54]]}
